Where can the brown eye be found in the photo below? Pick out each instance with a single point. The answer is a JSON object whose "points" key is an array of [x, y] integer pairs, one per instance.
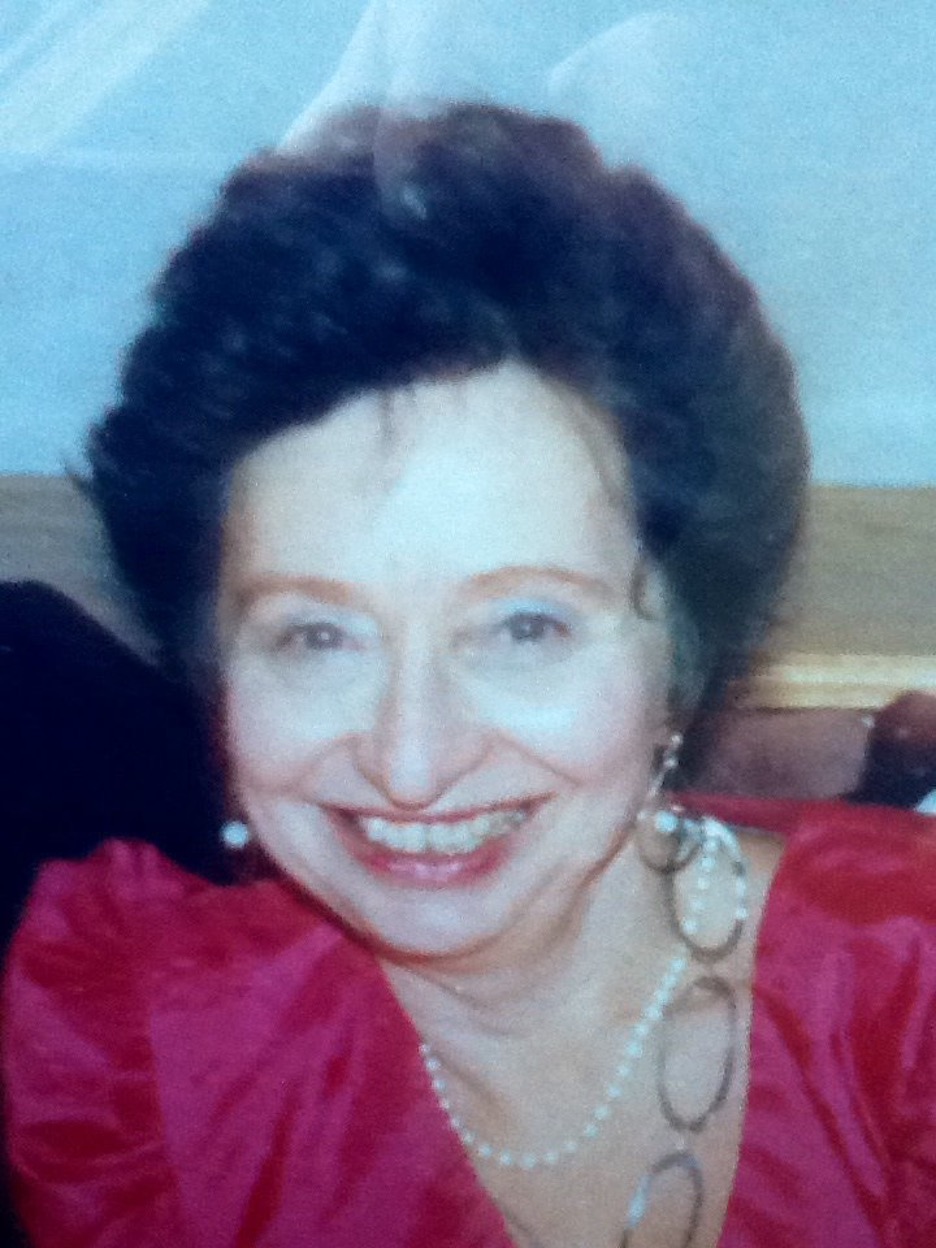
{"points": [[314, 637], [514, 637], [533, 626]]}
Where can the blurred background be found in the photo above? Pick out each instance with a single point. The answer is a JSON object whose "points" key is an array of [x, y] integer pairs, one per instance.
{"points": [[803, 132]]}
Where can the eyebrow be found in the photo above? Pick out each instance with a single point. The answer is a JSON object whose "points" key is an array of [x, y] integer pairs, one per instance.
{"points": [[512, 579], [507, 580], [338, 593]]}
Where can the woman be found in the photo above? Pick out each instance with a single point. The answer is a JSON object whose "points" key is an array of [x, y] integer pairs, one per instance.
{"points": [[460, 473]]}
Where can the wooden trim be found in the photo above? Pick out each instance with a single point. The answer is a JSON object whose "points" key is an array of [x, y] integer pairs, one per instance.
{"points": [[845, 681], [859, 623]]}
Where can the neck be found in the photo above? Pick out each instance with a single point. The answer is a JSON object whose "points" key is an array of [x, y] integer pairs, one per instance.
{"points": [[599, 962]]}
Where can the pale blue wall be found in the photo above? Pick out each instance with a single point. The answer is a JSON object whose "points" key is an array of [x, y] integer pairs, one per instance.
{"points": [[802, 131], [89, 213]]}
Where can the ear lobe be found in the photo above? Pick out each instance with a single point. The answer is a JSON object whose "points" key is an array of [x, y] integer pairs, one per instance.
{"points": [[648, 590]]}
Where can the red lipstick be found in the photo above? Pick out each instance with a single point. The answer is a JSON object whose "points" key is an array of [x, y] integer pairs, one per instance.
{"points": [[432, 869]]}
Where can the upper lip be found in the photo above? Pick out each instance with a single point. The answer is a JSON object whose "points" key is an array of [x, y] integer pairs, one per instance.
{"points": [[439, 816]]}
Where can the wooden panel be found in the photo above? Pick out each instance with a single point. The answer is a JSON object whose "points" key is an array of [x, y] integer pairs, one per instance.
{"points": [[49, 532], [860, 623], [858, 628]]}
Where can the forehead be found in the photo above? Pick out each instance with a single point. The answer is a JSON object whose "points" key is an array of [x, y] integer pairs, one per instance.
{"points": [[484, 470]]}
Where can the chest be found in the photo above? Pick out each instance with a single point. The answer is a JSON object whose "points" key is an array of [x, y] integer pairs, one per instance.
{"points": [[661, 1170], [333, 1136]]}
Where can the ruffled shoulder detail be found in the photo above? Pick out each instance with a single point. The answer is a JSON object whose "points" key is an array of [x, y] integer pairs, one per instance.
{"points": [[217, 1067], [842, 1098], [872, 862], [105, 948], [76, 1057]]}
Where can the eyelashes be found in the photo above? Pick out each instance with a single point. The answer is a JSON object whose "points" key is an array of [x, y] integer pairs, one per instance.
{"points": [[318, 637], [303, 635], [535, 627], [520, 637]]}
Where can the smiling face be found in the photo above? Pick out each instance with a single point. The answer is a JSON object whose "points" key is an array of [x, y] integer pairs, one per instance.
{"points": [[441, 703]]}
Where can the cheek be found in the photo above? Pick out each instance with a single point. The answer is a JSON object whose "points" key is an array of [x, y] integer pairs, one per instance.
{"points": [[585, 728], [273, 735]]}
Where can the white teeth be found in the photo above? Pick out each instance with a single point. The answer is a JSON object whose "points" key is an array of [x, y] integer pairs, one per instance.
{"points": [[440, 838], [451, 837]]}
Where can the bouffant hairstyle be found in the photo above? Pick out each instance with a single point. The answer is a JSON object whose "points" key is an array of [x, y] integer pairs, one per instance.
{"points": [[399, 248]]}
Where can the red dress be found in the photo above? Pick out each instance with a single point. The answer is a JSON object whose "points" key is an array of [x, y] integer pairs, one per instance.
{"points": [[206, 1067]]}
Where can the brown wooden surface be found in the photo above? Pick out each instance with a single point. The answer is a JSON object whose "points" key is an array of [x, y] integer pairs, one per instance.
{"points": [[50, 533], [860, 624]]}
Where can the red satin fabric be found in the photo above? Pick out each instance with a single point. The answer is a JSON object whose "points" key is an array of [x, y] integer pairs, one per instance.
{"points": [[222, 1068]]}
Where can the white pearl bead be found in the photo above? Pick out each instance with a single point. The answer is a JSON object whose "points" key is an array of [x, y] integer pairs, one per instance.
{"points": [[667, 822], [235, 835]]}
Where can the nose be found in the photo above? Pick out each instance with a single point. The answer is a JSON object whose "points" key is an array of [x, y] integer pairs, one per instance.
{"points": [[423, 737]]}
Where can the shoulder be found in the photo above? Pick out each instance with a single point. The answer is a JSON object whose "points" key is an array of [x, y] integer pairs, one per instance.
{"points": [[846, 948], [859, 864], [127, 930], [128, 892], [141, 1009], [842, 1096], [850, 918], [107, 893]]}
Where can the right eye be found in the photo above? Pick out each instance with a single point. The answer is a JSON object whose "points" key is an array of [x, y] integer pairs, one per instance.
{"points": [[300, 641], [316, 637]]}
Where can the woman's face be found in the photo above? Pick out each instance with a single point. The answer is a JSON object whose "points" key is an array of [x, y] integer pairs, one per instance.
{"points": [[441, 703]]}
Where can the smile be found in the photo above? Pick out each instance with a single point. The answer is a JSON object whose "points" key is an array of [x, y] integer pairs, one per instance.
{"points": [[443, 836]]}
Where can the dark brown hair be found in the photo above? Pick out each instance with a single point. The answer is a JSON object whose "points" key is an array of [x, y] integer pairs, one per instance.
{"points": [[400, 248]]}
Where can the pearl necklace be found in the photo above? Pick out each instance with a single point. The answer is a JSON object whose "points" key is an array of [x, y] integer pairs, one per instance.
{"points": [[631, 1052]]}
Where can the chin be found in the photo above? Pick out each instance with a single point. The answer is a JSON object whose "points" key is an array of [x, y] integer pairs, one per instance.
{"points": [[401, 923]]}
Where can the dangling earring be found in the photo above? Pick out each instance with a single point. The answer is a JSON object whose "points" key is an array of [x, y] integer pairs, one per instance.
{"points": [[669, 761], [235, 835], [668, 838], [660, 831], [711, 839]]}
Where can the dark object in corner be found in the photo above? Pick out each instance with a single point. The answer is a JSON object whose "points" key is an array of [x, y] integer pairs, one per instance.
{"points": [[94, 743], [900, 763]]}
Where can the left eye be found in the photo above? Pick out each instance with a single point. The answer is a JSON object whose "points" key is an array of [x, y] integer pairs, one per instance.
{"points": [[533, 626]]}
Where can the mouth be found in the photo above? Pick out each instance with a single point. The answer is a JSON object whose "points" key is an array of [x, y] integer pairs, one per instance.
{"points": [[441, 836], [441, 849]]}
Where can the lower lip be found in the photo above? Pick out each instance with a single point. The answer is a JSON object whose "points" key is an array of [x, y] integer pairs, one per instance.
{"points": [[428, 870]]}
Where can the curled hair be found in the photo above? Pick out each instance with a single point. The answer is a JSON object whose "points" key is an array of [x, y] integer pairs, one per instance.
{"points": [[402, 248]]}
